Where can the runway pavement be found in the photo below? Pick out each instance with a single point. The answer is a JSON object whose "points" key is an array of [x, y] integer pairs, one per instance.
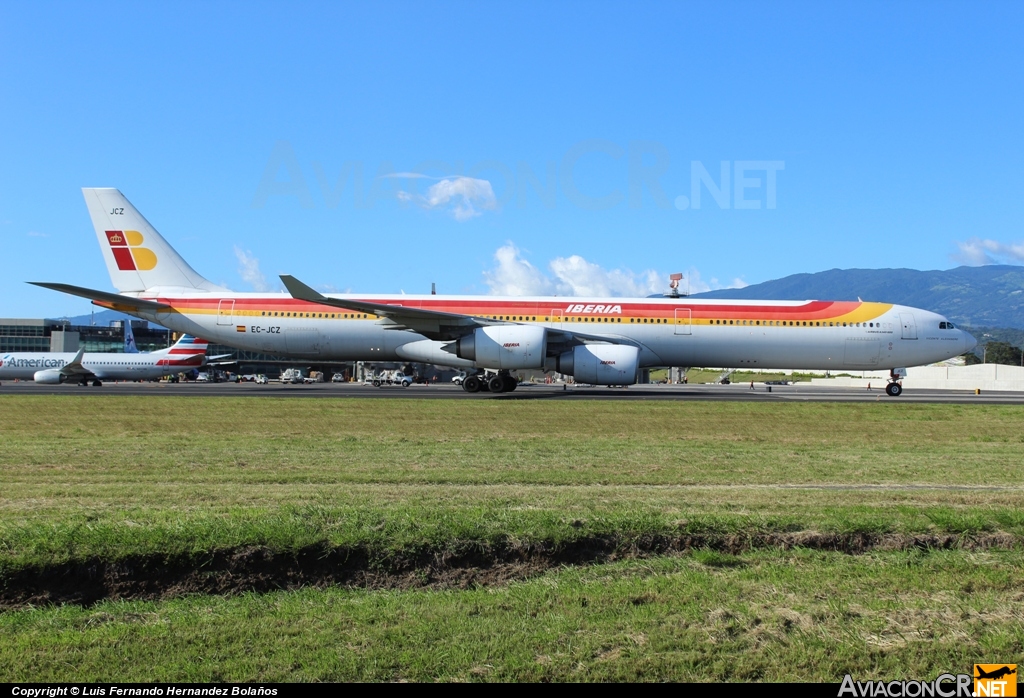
{"points": [[740, 392]]}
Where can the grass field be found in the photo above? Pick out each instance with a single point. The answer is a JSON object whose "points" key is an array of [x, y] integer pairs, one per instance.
{"points": [[97, 478]]}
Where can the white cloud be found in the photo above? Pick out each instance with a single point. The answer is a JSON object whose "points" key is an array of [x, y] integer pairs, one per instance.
{"points": [[578, 277], [514, 276], [464, 197], [575, 276], [976, 252], [249, 270]]}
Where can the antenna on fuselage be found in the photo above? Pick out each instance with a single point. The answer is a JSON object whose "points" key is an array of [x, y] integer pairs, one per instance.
{"points": [[673, 286], [433, 288]]}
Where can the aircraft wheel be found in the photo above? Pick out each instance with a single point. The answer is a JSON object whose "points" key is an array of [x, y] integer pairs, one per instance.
{"points": [[893, 390], [472, 384], [497, 384], [510, 384], [96, 384]]}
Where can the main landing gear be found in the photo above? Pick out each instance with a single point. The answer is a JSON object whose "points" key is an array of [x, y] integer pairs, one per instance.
{"points": [[501, 382], [894, 389]]}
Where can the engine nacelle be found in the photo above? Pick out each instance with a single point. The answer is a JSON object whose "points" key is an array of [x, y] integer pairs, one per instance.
{"points": [[50, 376], [504, 346], [429, 351], [601, 364]]}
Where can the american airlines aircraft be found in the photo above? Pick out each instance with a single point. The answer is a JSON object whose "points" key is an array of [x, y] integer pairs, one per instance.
{"points": [[603, 341], [68, 367]]}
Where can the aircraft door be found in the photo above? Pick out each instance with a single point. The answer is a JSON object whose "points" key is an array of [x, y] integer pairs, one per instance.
{"points": [[225, 311], [684, 317], [909, 325], [556, 319]]}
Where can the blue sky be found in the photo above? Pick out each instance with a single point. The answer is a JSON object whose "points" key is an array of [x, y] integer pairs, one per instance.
{"points": [[892, 131]]}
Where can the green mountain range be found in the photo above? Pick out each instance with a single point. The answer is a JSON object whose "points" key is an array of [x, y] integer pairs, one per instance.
{"points": [[988, 296]]}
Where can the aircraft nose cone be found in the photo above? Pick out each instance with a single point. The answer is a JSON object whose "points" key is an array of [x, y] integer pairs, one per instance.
{"points": [[969, 341]]}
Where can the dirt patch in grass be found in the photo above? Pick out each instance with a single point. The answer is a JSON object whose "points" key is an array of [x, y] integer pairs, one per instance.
{"points": [[257, 569]]}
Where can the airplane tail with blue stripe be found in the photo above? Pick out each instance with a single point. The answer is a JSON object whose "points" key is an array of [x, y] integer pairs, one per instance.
{"points": [[130, 347], [187, 352], [187, 345]]}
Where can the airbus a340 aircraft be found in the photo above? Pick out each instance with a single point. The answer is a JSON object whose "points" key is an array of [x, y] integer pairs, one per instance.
{"points": [[603, 341], [68, 367]]}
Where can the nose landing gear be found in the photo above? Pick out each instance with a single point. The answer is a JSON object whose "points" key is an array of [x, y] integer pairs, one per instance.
{"points": [[894, 389]]}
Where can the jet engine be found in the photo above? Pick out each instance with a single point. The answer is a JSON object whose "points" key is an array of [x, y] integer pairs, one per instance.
{"points": [[504, 346], [48, 377], [601, 364]]}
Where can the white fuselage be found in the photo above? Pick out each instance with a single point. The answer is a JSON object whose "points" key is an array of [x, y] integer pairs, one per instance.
{"points": [[669, 331], [105, 366]]}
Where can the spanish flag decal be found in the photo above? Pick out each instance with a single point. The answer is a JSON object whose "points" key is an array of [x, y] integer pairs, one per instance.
{"points": [[239, 328]]}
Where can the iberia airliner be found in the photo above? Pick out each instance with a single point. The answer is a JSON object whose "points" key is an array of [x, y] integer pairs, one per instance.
{"points": [[603, 341]]}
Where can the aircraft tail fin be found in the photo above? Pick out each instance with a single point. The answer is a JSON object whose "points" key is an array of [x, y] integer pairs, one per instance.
{"points": [[187, 345], [137, 256], [130, 347]]}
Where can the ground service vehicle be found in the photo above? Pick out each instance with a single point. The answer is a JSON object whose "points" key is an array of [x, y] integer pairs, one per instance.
{"points": [[391, 378], [293, 376]]}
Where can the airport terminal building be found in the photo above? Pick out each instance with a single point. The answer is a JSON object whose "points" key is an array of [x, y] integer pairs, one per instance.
{"points": [[46, 334]]}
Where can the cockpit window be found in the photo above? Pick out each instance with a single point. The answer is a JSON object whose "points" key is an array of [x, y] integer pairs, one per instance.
{"points": [[946, 326]]}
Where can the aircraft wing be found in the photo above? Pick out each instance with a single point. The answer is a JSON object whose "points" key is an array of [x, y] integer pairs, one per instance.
{"points": [[114, 301], [75, 369], [436, 324]]}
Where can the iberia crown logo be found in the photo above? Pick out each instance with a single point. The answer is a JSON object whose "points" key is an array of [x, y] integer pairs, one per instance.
{"points": [[127, 253]]}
